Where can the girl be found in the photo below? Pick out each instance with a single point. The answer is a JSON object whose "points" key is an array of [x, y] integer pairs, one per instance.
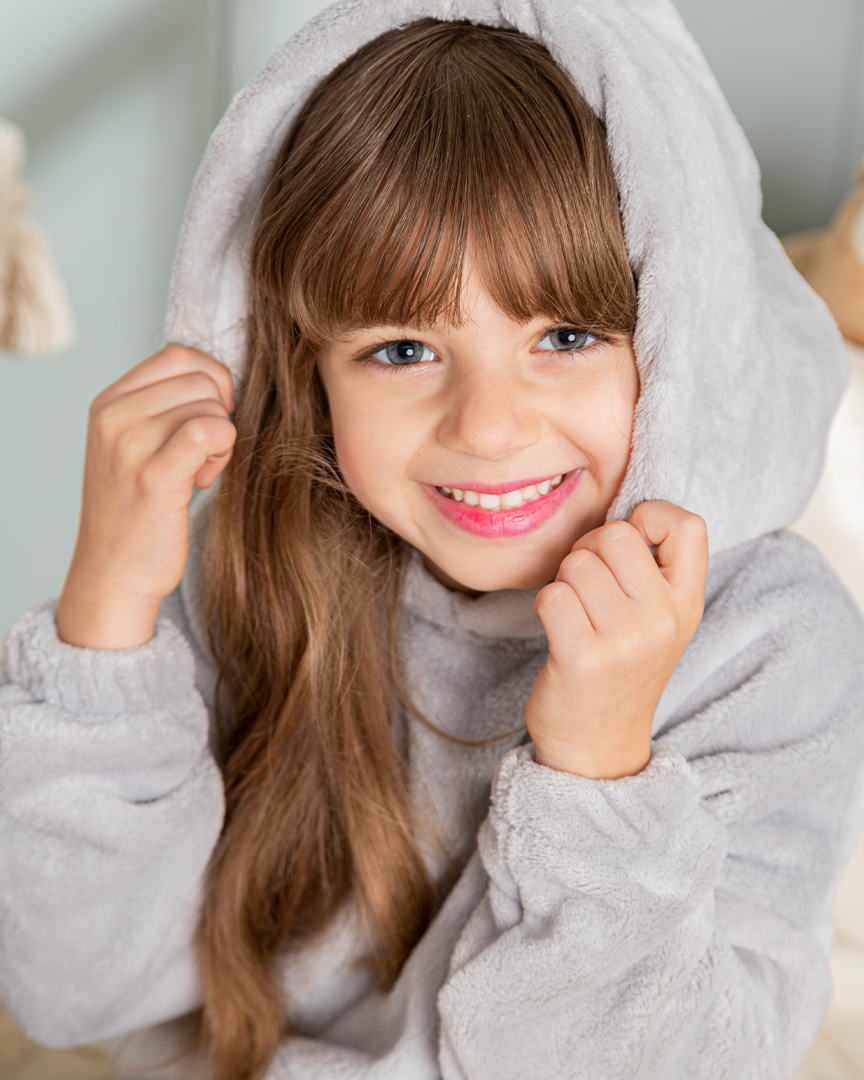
{"points": [[451, 513]]}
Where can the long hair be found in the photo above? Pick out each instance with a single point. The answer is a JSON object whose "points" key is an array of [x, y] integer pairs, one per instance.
{"points": [[432, 142]]}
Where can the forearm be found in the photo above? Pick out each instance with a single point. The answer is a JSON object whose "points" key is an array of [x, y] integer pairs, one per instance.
{"points": [[110, 805], [602, 947]]}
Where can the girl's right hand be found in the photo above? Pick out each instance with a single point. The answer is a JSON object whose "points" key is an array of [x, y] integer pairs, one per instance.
{"points": [[156, 433]]}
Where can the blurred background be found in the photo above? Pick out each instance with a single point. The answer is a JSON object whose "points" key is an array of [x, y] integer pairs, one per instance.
{"points": [[117, 99]]}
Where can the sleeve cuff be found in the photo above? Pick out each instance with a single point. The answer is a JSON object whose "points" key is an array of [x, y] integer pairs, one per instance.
{"points": [[97, 683], [623, 812], [551, 835]]}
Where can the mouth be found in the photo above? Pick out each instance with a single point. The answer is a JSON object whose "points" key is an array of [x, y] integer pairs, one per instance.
{"points": [[510, 498], [504, 511]]}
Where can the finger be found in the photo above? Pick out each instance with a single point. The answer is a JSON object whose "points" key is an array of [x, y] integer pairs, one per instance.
{"points": [[208, 472], [169, 362], [197, 441], [567, 626], [594, 583], [152, 399], [624, 550], [142, 440], [681, 539]]}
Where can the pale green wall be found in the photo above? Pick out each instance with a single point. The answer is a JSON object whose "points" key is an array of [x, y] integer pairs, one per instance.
{"points": [[793, 71], [117, 98]]}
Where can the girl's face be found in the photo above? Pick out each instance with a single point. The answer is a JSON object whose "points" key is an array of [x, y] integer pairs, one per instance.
{"points": [[491, 447]]}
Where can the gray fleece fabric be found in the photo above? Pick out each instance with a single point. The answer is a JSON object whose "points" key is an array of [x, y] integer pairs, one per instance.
{"points": [[674, 924]]}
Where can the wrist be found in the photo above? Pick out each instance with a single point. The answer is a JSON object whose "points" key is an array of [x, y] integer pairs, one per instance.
{"points": [[94, 614], [594, 761]]}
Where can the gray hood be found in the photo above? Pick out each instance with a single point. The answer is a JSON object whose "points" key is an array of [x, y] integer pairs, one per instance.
{"points": [[741, 365]]}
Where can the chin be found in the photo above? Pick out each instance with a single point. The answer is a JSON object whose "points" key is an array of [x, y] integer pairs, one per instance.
{"points": [[491, 578]]}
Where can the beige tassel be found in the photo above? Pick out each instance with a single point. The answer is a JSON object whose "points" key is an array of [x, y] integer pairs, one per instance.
{"points": [[35, 315]]}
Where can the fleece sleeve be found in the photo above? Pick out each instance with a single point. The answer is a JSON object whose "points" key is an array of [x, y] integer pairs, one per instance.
{"points": [[110, 806], [675, 925]]}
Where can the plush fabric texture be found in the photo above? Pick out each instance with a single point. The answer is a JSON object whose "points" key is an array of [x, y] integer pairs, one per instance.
{"points": [[675, 924], [672, 925], [725, 322]]}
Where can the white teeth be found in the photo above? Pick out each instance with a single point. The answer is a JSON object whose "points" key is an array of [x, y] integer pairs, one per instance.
{"points": [[510, 500]]}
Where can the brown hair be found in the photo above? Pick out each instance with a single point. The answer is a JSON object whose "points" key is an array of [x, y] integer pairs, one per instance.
{"points": [[431, 142]]}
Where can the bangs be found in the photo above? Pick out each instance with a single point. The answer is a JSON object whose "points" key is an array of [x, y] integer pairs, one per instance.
{"points": [[434, 148]]}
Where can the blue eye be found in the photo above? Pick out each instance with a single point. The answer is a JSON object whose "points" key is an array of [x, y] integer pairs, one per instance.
{"points": [[567, 339], [404, 353]]}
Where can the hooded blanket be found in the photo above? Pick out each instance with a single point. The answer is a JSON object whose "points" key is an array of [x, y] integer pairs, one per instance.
{"points": [[674, 924]]}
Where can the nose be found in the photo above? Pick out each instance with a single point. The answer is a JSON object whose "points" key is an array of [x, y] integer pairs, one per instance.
{"points": [[490, 415]]}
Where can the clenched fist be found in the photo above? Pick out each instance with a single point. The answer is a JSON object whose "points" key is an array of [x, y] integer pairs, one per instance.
{"points": [[159, 431], [618, 622]]}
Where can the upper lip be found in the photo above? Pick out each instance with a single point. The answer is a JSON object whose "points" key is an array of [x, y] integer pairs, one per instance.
{"points": [[501, 489]]}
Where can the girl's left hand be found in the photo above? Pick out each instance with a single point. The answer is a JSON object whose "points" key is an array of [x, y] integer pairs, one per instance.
{"points": [[617, 622]]}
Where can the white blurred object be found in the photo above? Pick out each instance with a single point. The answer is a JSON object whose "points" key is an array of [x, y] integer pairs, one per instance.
{"points": [[834, 521], [35, 315]]}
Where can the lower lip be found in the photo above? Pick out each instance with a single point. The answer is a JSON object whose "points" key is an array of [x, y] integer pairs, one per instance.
{"points": [[501, 524]]}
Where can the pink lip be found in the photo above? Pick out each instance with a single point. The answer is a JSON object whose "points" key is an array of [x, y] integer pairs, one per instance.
{"points": [[498, 524]]}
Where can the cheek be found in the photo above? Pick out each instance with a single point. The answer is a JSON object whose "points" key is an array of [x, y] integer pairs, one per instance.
{"points": [[370, 450], [623, 408], [624, 395]]}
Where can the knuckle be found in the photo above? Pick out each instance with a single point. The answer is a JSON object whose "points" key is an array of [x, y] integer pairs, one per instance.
{"points": [[609, 536], [693, 525], [550, 598], [126, 447], [104, 418], [173, 352], [665, 627], [616, 529], [197, 432], [576, 560]]}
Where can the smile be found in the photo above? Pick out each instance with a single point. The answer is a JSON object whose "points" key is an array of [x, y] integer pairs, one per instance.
{"points": [[503, 511], [505, 500]]}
